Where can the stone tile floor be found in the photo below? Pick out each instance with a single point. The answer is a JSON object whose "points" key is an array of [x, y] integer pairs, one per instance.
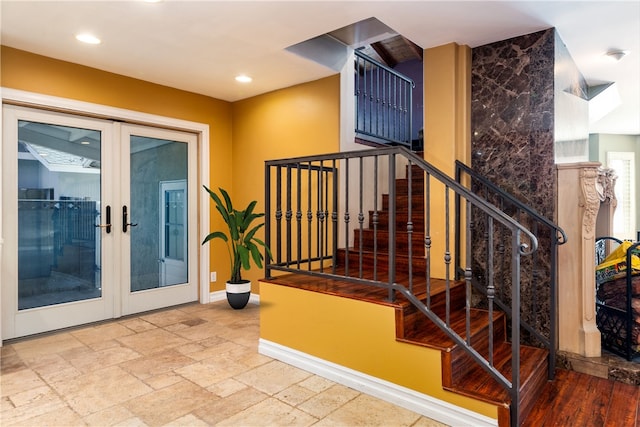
{"points": [[193, 365]]}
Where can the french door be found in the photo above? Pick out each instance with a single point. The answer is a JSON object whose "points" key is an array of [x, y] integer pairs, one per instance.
{"points": [[81, 215]]}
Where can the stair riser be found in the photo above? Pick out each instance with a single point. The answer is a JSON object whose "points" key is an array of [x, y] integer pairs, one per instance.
{"points": [[402, 203], [402, 186], [382, 238], [413, 318], [401, 221], [382, 262]]}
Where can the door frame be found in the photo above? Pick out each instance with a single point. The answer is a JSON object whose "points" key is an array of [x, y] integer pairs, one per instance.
{"points": [[70, 106]]}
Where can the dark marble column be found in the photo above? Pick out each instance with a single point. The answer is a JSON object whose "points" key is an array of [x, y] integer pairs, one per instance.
{"points": [[515, 122], [512, 117]]}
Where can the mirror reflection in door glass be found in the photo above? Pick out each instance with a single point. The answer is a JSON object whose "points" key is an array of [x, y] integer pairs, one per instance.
{"points": [[159, 206], [58, 210]]}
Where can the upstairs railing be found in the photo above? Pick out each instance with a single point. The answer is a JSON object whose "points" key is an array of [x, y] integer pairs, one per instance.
{"points": [[383, 99], [316, 208], [539, 278]]}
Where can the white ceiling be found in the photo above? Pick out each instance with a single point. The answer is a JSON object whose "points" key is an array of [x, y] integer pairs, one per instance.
{"points": [[199, 46]]}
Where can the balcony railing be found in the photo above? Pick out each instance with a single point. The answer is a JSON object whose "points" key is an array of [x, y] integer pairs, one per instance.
{"points": [[383, 100], [316, 208]]}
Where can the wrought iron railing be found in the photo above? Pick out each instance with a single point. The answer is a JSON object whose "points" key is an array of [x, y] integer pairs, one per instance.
{"points": [[539, 273], [383, 100], [328, 197]]}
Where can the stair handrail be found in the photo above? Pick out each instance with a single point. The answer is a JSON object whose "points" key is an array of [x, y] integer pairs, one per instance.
{"points": [[520, 248], [561, 239]]}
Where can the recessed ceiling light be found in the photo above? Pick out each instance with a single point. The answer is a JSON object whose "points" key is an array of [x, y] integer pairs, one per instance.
{"points": [[88, 38], [243, 79], [85, 143]]}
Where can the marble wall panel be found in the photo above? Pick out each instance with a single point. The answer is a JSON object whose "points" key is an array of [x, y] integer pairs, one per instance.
{"points": [[514, 119]]}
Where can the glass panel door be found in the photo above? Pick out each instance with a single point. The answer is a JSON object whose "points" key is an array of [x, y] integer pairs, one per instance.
{"points": [[58, 214], [55, 220], [98, 220], [158, 206]]}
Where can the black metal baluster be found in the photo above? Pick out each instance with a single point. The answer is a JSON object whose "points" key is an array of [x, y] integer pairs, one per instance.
{"points": [[346, 218], [360, 219], [392, 225], [410, 224], [334, 217], [279, 214], [468, 274], [427, 235], [309, 215], [447, 256], [267, 222], [288, 216], [375, 218], [320, 215], [491, 291]]}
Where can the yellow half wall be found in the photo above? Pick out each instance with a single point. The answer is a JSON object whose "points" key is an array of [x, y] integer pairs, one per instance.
{"points": [[357, 335]]}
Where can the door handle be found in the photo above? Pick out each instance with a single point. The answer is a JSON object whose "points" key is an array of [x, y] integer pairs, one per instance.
{"points": [[125, 220], [106, 226]]}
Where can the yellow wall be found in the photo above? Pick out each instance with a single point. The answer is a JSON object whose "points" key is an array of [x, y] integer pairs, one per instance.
{"points": [[447, 132], [296, 121], [39, 74], [355, 334], [299, 120]]}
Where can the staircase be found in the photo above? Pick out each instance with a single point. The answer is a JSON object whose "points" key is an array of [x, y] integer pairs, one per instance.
{"points": [[478, 358], [460, 373]]}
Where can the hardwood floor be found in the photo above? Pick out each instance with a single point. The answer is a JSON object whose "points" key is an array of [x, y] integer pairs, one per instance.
{"points": [[577, 399]]}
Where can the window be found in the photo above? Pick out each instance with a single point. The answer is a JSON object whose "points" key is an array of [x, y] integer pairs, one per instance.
{"points": [[624, 218]]}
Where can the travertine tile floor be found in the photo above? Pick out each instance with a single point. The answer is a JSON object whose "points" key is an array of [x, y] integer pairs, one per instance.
{"points": [[193, 365]]}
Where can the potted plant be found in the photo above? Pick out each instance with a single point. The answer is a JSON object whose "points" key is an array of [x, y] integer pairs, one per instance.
{"points": [[242, 244]]}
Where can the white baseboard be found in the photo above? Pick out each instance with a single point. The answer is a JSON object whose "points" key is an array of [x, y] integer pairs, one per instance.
{"points": [[423, 404], [222, 295]]}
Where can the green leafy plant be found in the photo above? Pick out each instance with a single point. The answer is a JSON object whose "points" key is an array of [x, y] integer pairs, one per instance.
{"points": [[242, 244]]}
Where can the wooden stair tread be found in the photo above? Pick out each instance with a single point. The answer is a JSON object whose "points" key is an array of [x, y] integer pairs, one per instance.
{"points": [[428, 334], [346, 289], [381, 263]]}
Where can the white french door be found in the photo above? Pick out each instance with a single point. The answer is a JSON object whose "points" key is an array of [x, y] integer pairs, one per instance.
{"points": [[77, 195], [150, 157]]}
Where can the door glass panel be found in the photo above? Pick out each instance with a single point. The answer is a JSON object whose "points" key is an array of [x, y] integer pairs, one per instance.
{"points": [[174, 225], [158, 206], [58, 210]]}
